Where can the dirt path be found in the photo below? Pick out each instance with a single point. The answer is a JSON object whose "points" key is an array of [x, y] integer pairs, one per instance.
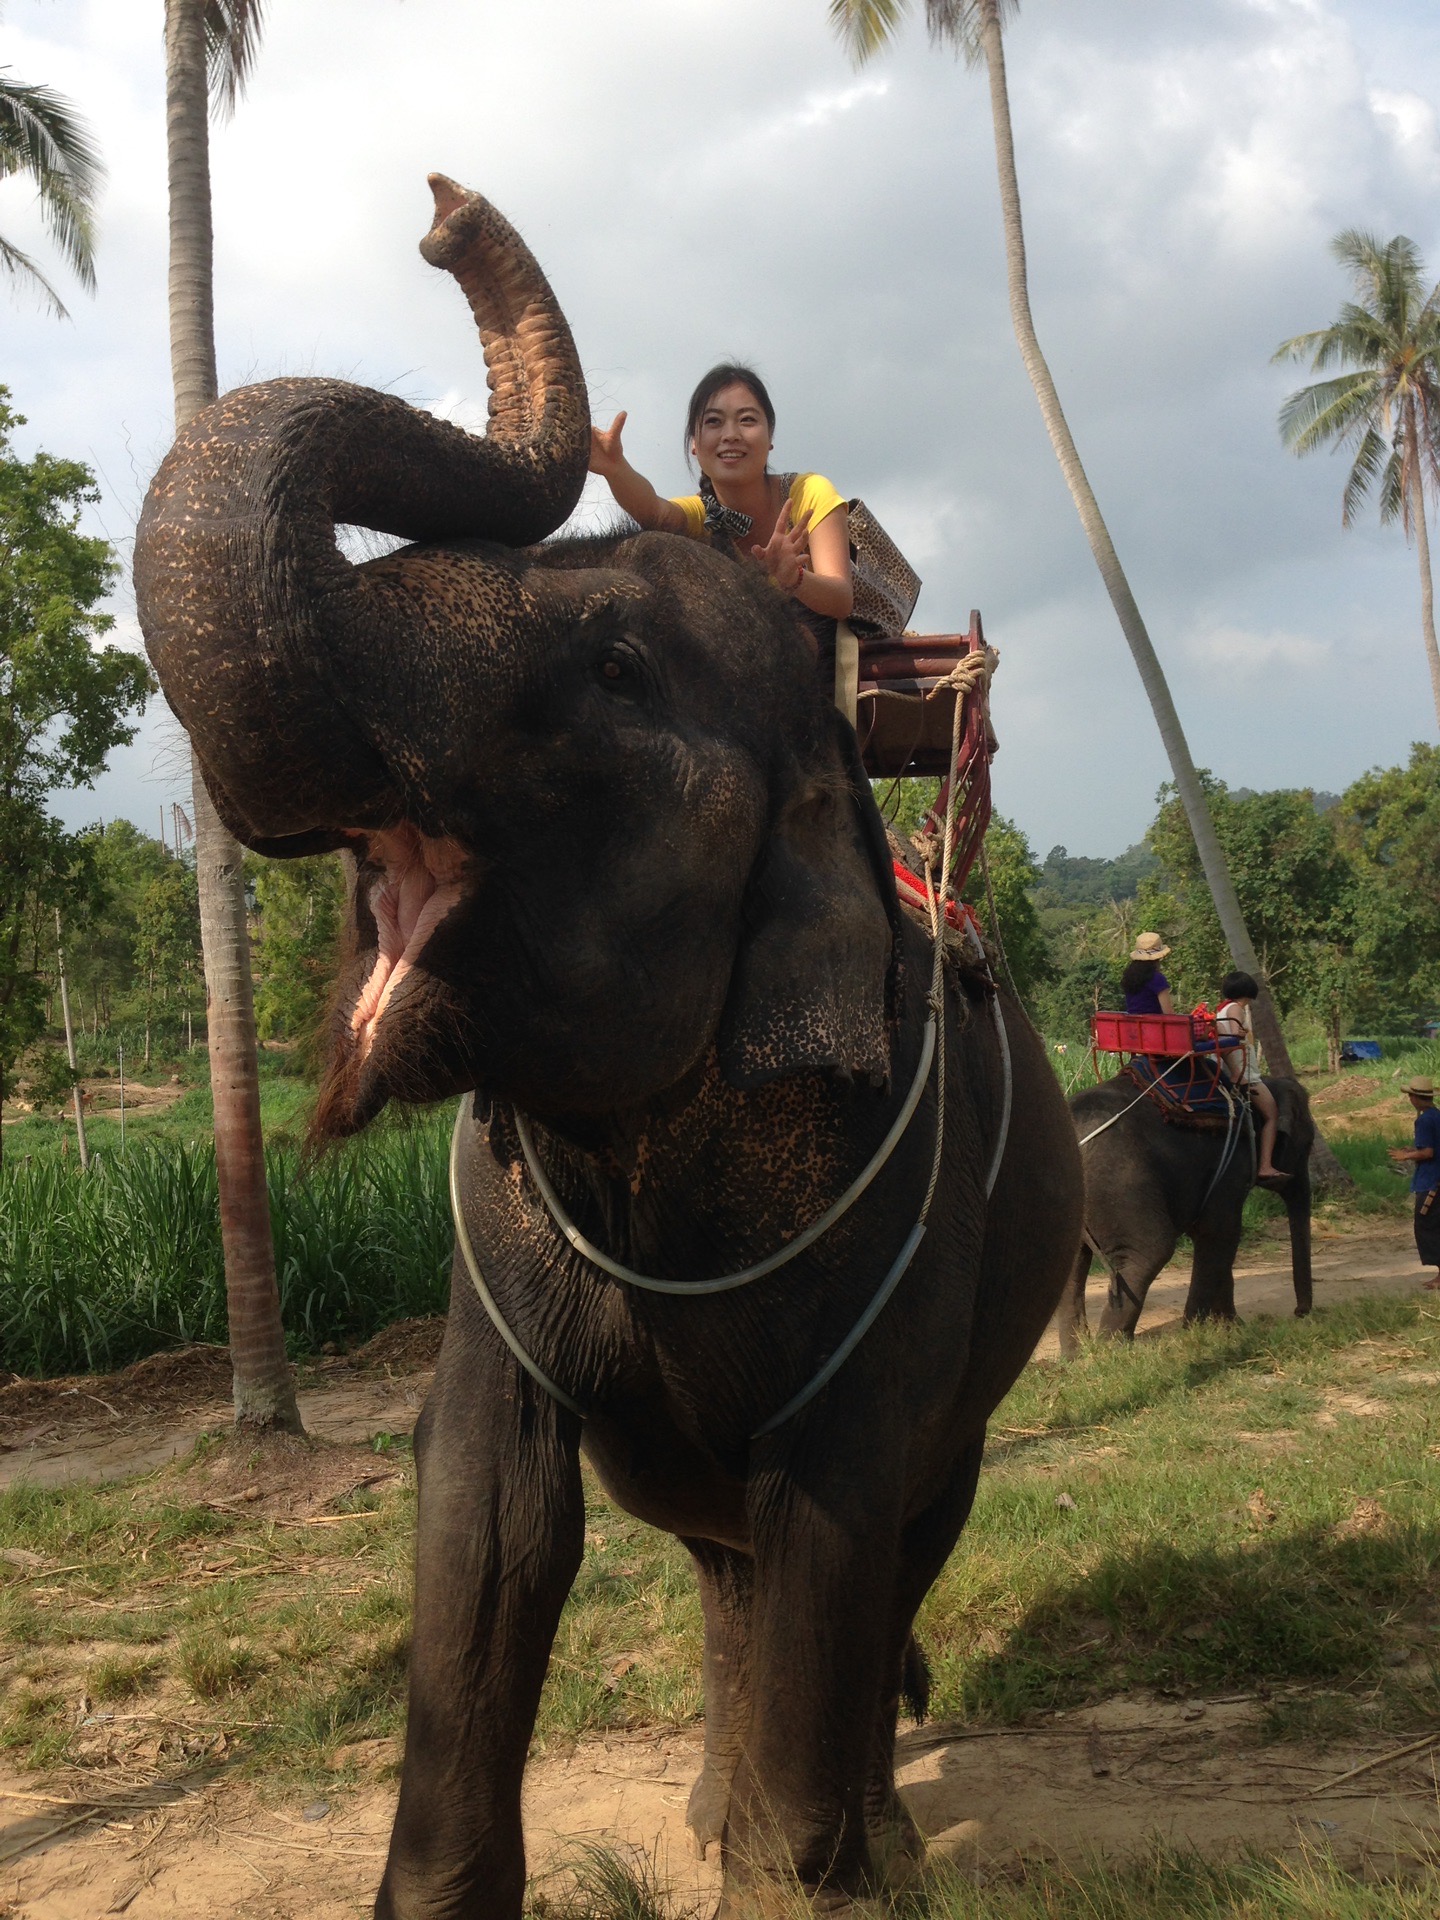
{"points": [[1370, 1259], [1114, 1777]]}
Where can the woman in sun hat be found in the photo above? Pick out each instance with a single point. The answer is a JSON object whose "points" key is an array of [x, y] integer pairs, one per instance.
{"points": [[1145, 987], [1425, 1181]]}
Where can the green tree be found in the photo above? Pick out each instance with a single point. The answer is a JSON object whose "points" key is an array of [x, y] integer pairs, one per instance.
{"points": [[167, 937], [1067, 1000], [41, 135], [210, 47], [1013, 876], [299, 904], [65, 701], [1293, 880], [1389, 825], [100, 944], [1386, 406], [974, 28]]}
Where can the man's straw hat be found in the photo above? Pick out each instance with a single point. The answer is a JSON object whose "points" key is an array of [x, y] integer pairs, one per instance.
{"points": [[1149, 946], [1421, 1084]]}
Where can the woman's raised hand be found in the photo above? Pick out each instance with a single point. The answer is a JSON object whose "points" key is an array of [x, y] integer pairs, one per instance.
{"points": [[783, 555], [607, 457]]}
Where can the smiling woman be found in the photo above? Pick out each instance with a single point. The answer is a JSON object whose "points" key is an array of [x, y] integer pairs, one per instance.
{"points": [[795, 527]]}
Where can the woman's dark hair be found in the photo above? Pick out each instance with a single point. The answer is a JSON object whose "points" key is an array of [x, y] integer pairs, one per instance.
{"points": [[1239, 986], [728, 374], [1138, 974]]}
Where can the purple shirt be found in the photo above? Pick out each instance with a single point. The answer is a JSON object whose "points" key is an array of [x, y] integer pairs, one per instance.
{"points": [[1147, 1000]]}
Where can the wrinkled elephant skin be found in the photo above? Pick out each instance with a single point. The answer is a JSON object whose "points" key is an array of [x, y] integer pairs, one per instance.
{"points": [[619, 870]]}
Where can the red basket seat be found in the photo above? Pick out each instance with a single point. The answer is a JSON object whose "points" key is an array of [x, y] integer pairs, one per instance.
{"points": [[1167, 1035]]}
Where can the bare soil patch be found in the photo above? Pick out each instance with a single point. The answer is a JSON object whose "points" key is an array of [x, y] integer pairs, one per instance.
{"points": [[102, 1427], [1348, 1262], [1114, 1777]]}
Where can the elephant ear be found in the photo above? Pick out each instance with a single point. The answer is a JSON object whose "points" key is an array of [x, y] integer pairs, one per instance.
{"points": [[816, 980]]}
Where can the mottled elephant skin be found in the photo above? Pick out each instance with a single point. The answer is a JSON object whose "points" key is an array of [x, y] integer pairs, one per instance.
{"points": [[618, 869], [1148, 1181]]}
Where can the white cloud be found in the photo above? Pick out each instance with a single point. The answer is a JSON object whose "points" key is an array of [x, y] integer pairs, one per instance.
{"points": [[1412, 118], [819, 108], [697, 187], [1241, 655]]}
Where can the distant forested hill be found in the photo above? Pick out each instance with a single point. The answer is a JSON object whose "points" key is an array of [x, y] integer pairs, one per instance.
{"points": [[1073, 880]]}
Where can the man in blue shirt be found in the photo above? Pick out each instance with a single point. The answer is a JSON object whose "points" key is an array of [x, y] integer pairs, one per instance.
{"points": [[1425, 1181]]}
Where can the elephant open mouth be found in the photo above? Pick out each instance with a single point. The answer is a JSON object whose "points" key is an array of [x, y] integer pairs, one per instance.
{"points": [[420, 880]]}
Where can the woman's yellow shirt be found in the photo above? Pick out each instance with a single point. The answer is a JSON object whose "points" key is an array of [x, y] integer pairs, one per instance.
{"points": [[808, 491]]}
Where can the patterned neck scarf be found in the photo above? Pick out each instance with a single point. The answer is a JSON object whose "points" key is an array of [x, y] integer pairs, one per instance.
{"points": [[722, 522]]}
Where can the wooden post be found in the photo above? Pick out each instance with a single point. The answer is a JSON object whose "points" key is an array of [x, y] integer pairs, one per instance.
{"points": [[70, 1049]]}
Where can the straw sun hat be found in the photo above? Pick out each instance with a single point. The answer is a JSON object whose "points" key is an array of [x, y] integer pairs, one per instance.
{"points": [[1422, 1085], [1149, 946]]}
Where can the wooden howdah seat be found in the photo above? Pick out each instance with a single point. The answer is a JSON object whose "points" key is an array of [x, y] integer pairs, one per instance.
{"points": [[894, 691], [900, 707]]}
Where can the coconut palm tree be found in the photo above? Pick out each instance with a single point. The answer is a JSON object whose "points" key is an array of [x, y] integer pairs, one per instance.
{"points": [[1387, 405], [42, 135], [210, 47], [975, 29]]}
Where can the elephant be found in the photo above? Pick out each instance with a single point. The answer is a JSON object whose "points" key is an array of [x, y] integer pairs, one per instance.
{"points": [[1148, 1180], [621, 885]]}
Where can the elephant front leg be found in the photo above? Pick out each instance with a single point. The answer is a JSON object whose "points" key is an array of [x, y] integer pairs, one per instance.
{"points": [[1132, 1268], [822, 1658], [1212, 1271], [727, 1585], [897, 1847], [499, 1540]]}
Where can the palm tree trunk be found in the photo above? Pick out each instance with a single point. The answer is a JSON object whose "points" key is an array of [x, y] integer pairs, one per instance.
{"points": [[1427, 581], [1152, 676], [264, 1386]]}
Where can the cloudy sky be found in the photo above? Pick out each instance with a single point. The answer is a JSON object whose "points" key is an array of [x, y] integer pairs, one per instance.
{"points": [[703, 179]]}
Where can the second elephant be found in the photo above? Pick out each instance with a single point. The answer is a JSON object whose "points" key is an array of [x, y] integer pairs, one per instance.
{"points": [[1148, 1181]]}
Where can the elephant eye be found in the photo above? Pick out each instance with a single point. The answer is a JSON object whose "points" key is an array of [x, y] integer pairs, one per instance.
{"points": [[619, 668]]}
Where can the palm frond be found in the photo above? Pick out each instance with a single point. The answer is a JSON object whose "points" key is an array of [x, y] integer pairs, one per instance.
{"points": [[233, 29], [1331, 410], [1300, 347], [1394, 494], [1357, 338], [42, 135], [958, 23], [1370, 458], [865, 27], [22, 267], [1376, 263]]}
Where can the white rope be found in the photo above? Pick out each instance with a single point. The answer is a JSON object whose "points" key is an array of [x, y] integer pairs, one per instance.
{"points": [[487, 1299], [1096, 1132], [599, 1258]]}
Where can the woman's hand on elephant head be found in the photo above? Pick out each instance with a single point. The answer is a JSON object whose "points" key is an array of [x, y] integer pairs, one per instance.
{"points": [[607, 457]]}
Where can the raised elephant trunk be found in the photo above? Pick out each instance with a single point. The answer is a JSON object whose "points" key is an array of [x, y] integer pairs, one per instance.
{"points": [[282, 660]]}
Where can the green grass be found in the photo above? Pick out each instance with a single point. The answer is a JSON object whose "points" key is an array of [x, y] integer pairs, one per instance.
{"points": [[1254, 1509], [1212, 1540], [1175, 1884], [600, 1882], [97, 1270]]}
